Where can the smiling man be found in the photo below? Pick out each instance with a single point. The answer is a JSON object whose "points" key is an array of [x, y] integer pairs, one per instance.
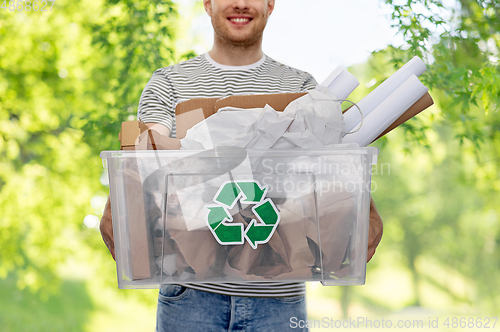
{"points": [[238, 33], [234, 65]]}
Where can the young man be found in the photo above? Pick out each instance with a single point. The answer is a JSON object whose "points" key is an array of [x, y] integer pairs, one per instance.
{"points": [[235, 65]]}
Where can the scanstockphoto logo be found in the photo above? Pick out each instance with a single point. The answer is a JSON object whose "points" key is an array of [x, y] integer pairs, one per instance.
{"points": [[219, 219], [324, 177]]}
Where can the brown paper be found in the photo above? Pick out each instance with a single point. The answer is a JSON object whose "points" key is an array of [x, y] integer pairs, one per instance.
{"points": [[242, 258], [335, 220], [292, 231], [198, 247], [291, 253]]}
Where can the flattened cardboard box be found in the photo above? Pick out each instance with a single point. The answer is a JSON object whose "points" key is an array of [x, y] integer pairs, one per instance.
{"points": [[193, 111], [139, 239]]}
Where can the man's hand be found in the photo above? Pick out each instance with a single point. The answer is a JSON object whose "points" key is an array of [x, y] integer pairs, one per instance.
{"points": [[106, 228], [375, 232]]}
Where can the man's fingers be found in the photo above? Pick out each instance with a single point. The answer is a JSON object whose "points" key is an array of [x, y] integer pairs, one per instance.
{"points": [[106, 228], [375, 231]]}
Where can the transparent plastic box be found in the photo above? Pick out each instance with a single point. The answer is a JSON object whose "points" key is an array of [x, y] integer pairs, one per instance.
{"points": [[230, 215]]}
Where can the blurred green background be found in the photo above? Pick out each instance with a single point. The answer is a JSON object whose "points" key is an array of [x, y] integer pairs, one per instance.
{"points": [[67, 81]]}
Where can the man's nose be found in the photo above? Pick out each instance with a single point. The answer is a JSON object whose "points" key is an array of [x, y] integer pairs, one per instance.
{"points": [[240, 4]]}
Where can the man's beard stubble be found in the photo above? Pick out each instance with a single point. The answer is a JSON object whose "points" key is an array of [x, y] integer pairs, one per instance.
{"points": [[255, 36]]}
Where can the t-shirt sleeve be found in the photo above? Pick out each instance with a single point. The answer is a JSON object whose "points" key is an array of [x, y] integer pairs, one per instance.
{"points": [[309, 83], [157, 102]]}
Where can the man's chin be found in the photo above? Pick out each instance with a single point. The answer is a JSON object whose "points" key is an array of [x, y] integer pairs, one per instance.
{"points": [[242, 41]]}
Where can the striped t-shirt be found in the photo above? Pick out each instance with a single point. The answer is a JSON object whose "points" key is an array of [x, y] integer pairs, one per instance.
{"points": [[202, 77]]}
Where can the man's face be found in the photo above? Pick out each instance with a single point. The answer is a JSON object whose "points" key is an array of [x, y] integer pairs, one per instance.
{"points": [[239, 22]]}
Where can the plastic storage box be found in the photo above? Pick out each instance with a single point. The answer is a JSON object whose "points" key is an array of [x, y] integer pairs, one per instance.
{"points": [[229, 215]]}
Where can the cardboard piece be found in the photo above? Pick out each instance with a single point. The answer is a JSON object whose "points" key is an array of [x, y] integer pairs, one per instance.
{"points": [[135, 135], [129, 132], [199, 108], [140, 240], [193, 111], [278, 101], [140, 251]]}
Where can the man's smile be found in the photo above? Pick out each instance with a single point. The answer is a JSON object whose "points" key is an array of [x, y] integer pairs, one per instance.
{"points": [[239, 19]]}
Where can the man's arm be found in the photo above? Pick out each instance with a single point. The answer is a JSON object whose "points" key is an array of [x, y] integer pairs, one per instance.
{"points": [[375, 231], [163, 130]]}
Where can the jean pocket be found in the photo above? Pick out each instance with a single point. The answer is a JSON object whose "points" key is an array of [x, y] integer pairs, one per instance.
{"points": [[172, 292], [291, 299]]}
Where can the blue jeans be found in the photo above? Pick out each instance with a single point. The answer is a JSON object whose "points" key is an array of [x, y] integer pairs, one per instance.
{"points": [[186, 309]]}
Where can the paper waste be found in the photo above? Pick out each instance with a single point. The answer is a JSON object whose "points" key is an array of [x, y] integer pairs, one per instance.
{"points": [[314, 120]]}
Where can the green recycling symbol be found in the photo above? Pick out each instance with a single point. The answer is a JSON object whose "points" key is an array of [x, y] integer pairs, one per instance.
{"points": [[248, 192]]}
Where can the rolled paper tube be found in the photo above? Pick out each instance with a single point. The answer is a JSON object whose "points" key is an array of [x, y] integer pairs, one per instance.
{"points": [[413, 67], [421, 104], [387, 112], [340, 83]]}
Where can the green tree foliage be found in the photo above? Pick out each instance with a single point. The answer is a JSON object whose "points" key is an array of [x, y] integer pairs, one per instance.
{"points": [[134, 38], [439, 200], [462, 47], [68, 77]]}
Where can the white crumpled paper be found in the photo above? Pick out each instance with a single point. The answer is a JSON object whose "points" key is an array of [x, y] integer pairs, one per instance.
{"points": [[312, 121]]}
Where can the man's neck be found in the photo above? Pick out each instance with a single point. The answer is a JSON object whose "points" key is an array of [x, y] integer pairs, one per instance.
{"points": [[232, 55]]}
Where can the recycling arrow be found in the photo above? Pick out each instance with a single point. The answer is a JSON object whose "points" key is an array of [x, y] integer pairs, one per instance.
{"points": [[224, 233], [252, 191], [229, 193], [248, 192], [260, 233]]}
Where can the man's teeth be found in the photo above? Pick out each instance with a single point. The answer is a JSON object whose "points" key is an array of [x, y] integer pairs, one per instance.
{"points": [[240, 20]]}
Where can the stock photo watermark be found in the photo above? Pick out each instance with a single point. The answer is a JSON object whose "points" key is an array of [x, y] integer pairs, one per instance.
{"points": [[472, 323], [324, 177], [28, 6]]}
